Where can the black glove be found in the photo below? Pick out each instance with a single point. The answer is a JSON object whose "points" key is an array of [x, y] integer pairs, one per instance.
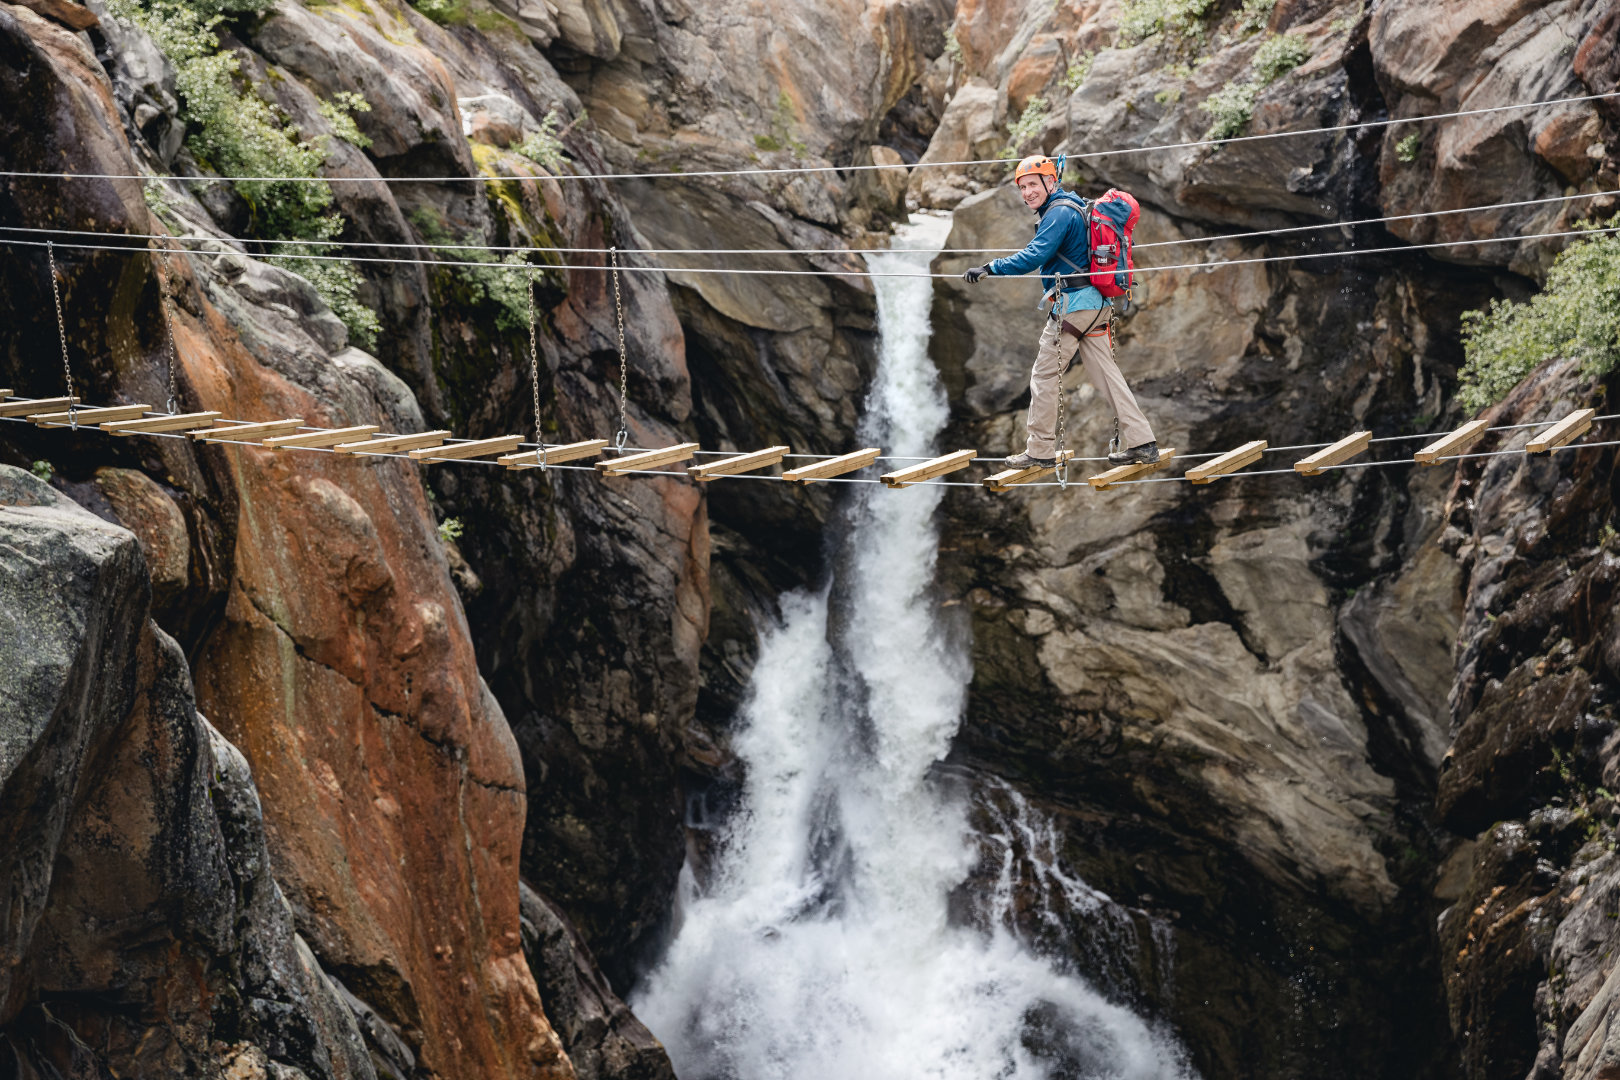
{"points": [[974, 273]]}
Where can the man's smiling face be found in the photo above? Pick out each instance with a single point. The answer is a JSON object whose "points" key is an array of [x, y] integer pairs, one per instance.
{"points": [[1033, 189]]}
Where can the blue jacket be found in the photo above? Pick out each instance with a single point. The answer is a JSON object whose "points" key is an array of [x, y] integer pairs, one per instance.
{"points": [[1062, 245]]}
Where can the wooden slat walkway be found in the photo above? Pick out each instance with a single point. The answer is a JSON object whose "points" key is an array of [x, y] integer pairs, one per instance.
{"points": [[1229, 462], [1340, 452], [1121, 473], [838, 466], [928, 470]]}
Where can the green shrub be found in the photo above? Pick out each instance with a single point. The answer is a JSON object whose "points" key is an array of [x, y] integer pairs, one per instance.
{"points": [[1407, 149], [505, 290], [339, 112], [44, 470], [1142, 19], [451, 529], [1253, 16], [1278, 55], [1079, 68], [953, 47], [545, 147], [443, 12], [1028, 125], [239, 134], [1231, 107], [1576, 315]]}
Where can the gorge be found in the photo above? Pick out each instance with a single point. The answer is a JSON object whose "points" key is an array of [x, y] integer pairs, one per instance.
{"points": [[319, 766]]}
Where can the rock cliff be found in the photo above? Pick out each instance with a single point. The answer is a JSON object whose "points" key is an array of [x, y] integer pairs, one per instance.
{"points": [[1251, 702]]}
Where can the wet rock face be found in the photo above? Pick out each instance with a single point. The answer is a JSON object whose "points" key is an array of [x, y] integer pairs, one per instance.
{"points": [[1243, 700], [1527, 937], [146, 935]]}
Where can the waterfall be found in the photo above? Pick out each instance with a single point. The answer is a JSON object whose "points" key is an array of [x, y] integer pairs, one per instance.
{"points": [[822, 943]]}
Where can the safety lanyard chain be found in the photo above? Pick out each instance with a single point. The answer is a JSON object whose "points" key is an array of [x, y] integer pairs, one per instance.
{"points": [[61, 335], [624, 361]]}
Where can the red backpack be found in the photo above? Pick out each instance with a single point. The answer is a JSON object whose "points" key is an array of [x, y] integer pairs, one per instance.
{"points": [[1111, 220]]}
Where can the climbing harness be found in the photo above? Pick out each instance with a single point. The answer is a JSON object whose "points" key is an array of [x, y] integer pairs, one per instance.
{"points": [[61, 335], [168, 321], [624, 360], [534, 377]]}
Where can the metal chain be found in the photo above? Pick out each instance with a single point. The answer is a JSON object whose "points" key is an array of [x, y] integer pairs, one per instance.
{"points": [[624, 360], [534, 377], [168, 325], [61, 335]]}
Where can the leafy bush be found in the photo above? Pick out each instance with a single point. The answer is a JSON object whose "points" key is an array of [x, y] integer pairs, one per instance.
{"points": [[451, 529], [1407, 149], [443, 12], [1079, 68], [953, 47], [44, 470], [1142, 19], [1253, 16], [545, 147], [1278, 55], [1231, 107], [1576, 315], [239, 134], [1026, 127], [505, 290]]}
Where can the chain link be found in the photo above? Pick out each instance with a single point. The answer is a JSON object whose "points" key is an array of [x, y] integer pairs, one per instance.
{"points": [[61, 335], [534, 376], [168, 324], [624, 360]]}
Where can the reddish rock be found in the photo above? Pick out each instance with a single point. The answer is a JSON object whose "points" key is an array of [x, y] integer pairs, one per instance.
{"points": [[71, 15], [147, 511]]}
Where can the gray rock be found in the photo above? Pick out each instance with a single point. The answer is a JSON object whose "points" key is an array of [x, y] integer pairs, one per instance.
{"points": [[603, 1039], [142, 918]]}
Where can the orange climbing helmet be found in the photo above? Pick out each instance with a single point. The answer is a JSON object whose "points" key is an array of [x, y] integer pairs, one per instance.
{"points": [[1035, 165]]}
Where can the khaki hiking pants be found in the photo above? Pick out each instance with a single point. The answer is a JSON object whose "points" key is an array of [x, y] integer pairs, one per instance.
{"points": [[1046, 380]]}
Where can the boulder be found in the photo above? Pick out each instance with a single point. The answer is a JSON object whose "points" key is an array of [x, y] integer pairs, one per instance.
{"points": [[146, 933]]}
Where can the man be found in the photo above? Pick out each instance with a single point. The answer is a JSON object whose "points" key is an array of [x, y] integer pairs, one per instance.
{"points": [[1078, 320]]}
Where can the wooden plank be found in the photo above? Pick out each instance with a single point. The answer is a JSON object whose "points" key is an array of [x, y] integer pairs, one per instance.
{"points": [[1229, 462], [22, 408], [89, 417], [667, 456], [177, 422], [1571, 427], [461, 451], [837, 466], [555, 455], [1341, 451], [316, 440], [247, 432], [1005, 479], [1120, 473], [1455, 443], [393, 444], [4, 394], [916, 474], [742, 463]]}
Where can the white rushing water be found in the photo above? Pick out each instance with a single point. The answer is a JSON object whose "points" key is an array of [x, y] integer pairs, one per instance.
{"points": [[822, 945]]}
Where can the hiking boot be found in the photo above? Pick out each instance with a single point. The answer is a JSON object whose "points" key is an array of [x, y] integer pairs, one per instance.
{"points": [[1024, 461], [1146, 454]]}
